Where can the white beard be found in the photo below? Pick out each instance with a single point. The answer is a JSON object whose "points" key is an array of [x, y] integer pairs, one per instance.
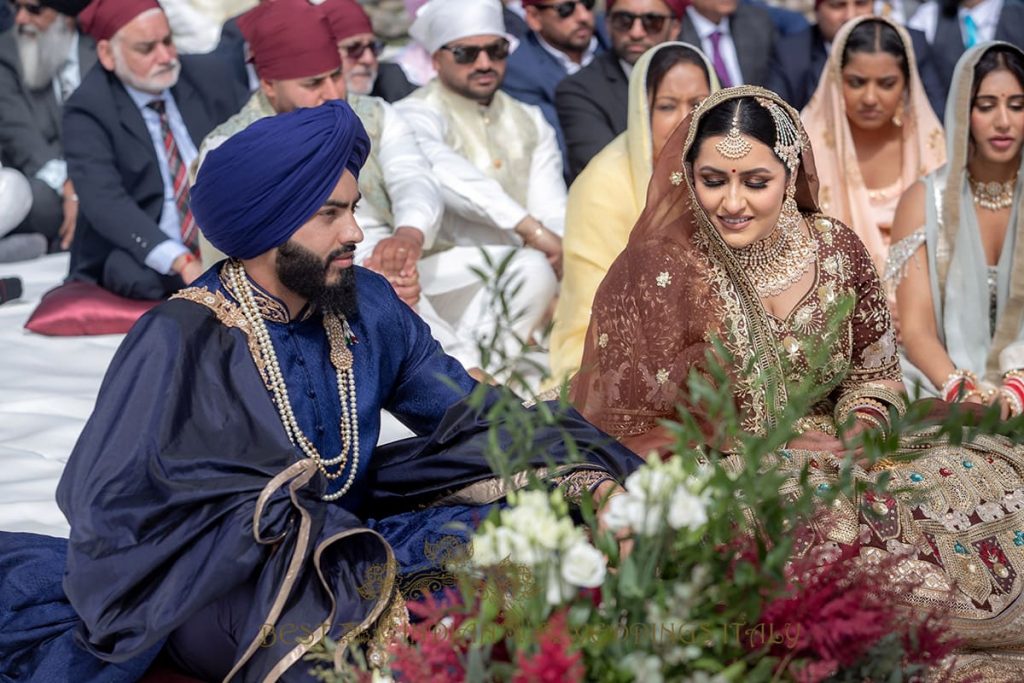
{"points": [[43, 53], [154, 82]]}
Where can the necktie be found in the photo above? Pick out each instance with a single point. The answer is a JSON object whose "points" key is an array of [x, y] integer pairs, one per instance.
{"points": [[718, 62], [971, 29], [179, 178]]}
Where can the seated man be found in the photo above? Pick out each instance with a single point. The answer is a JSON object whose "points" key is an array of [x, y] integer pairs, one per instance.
{"points": [[239, 527], [15, 202], [560, 42], [360, 48], [130, 132], [591, 104], [737, 38], [42, 60], [500, 169], [296, 58], [797, 61]]}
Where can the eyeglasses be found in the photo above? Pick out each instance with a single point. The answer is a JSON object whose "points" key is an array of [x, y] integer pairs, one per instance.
{"points": [[356, 50], [564, 10], [34, 9], [622, 21], [468, 54]]}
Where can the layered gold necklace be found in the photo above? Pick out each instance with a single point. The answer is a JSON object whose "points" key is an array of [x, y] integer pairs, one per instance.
{"points": [[992, 195], [338, 335], [777, 262]]}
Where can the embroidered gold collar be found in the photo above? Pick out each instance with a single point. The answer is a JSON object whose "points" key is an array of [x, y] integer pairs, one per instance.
{"points": [[270, 307]]}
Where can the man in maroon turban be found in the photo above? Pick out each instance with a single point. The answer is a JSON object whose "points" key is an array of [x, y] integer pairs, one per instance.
{"points": [[360, 50], [130, 132]]}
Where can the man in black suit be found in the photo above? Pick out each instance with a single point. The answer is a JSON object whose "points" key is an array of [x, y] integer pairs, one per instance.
{"points": [[130, 132], [798, 61], [952, 26], [43, 58], [737, 38], [561, 41], [592, 104]]}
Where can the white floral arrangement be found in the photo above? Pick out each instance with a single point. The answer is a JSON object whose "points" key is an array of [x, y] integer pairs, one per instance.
{"points": [[657, 494], [536, 532]]}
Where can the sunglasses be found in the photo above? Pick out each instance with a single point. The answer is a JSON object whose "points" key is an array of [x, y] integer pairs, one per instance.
{"points": [[356, 50], [622, 21], [468, 54], [34, 10], [564, 10]]}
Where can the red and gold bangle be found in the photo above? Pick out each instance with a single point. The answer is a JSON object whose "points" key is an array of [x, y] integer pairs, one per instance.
{"points": [[1013, 391], [959, 385]]}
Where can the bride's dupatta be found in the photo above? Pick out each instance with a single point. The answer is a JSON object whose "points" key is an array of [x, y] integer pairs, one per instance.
{"points": [[674, 289]]}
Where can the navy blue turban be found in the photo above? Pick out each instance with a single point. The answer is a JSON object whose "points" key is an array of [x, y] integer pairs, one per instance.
{"points": [[254, 191]]}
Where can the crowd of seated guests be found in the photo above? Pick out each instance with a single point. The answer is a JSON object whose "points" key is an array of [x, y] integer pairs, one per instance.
{"points": [[545, 124]]}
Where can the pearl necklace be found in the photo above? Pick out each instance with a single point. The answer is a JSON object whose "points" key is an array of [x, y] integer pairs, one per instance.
{"points": [[993, 196], [341, 358]]}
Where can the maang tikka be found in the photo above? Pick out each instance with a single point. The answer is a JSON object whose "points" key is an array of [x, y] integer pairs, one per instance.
{"points": [[734, 146]]}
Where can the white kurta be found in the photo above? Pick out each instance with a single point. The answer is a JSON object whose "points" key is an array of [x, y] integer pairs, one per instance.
{"points": [[481, 214]]}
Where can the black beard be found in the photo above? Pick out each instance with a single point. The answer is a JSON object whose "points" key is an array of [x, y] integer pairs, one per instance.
{"points": [[302, 272]]}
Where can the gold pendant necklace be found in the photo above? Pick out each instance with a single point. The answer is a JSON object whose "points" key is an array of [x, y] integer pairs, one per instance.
{"points": [[777, 262], [993, 195], [342, 359]]}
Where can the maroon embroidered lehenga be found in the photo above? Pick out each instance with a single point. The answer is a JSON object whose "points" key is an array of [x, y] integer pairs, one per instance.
{"points": [[959, 528]]}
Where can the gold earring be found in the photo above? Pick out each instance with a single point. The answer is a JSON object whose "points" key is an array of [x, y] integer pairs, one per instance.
{"points": [[897, 119]]}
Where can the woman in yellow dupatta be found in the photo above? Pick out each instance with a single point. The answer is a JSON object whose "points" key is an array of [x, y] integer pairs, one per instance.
{"points": [[606, 198], [873, 132]]}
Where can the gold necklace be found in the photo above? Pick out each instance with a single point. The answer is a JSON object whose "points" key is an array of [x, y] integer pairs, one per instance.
{"points": [[993, 195], [777, 262], [341, 357]]}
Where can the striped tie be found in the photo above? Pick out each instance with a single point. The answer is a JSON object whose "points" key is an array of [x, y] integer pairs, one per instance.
{"points": [[179, 179]]}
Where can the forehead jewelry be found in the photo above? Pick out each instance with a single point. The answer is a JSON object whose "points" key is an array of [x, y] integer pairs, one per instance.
{"points": [[734, 146], [789, 141]]}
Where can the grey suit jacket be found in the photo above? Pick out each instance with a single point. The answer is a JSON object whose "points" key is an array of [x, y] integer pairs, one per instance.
{"points": [[30, 121], [754, 36]]}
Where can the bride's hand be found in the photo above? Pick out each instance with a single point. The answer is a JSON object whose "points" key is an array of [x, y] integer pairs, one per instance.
{"points": [[813, 440]]}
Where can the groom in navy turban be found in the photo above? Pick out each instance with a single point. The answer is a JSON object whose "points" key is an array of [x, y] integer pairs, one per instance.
{"points": [[226, 500]]}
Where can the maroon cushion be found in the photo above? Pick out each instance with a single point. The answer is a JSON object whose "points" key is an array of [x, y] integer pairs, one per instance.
{"points": [[82, 308]]}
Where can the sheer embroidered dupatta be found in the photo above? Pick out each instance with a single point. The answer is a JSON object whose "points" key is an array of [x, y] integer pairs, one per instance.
{"points": [[674, 288], [844, 193]]}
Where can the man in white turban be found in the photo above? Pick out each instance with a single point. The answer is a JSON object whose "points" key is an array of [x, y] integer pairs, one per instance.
{"points": [[500, 169]]}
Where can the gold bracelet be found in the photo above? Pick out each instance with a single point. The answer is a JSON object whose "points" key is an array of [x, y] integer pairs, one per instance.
{"points": [[849, 404]]}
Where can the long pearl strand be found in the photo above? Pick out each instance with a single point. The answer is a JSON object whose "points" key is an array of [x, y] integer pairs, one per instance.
{"points": [[341, 358]]}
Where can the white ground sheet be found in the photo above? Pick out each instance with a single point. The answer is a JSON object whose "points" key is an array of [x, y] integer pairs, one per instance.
{"points": [[48, 386]]}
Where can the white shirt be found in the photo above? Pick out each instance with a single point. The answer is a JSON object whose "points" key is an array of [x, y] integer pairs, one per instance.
{"points": [[985, 15], [726, 46], [476, 206], [563, 60], [415, 194], [162, 255]]}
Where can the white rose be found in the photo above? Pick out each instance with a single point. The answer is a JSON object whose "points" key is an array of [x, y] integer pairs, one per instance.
{"points": [[583, 565], [686, 511]]}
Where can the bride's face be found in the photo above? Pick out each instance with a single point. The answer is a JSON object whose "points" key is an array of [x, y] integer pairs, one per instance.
{"points": [[742, 197]]}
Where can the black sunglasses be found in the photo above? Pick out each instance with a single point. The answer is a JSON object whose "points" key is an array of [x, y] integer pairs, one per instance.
{"points": [[356, 50], [34, 10], [564, 10], [623, 21], [468, 54]]}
